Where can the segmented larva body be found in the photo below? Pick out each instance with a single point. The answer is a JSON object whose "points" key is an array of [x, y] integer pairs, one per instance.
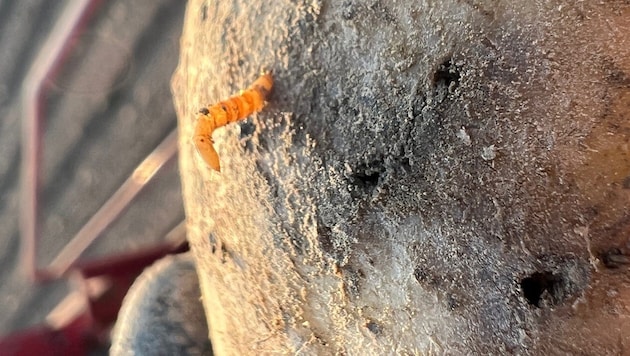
{"points": [[233, 109]]}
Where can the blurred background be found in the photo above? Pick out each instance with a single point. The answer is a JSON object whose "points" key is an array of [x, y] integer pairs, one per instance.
{"points": [[105, 108]]}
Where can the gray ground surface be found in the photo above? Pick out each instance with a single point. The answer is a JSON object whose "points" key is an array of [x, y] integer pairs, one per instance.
{"points": [[109, 108]]}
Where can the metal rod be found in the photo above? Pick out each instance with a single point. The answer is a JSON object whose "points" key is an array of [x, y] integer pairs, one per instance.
{"points": [[112, 208], [51, 55]]}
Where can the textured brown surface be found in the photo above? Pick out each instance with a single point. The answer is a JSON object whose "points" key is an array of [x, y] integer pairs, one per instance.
{"points": [[438, 178]]}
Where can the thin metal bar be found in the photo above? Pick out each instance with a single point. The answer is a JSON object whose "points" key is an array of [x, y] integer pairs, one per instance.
{"points": [[112, 208], [51, 55]]}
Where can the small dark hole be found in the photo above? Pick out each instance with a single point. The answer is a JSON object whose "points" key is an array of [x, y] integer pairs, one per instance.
{"points": [[368, 176], [325, 237], [446, 74], [369, 179], [373, 327], [247, 129], [535, 285], [364, 179], [204, 12], [420, 274]]}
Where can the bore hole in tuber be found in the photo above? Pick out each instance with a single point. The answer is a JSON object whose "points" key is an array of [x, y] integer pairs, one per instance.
{"points": [[537, 284]]}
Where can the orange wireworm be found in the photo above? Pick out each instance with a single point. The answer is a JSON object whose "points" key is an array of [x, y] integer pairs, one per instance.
{"points": [[239, 107]]}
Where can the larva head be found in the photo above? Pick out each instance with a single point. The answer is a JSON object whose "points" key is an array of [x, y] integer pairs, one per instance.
{"points": [[265, 81], [206, 150]]}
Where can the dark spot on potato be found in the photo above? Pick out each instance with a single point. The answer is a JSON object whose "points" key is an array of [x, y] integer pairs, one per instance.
{"points": [[373, 327], [536, 284], [446, 75]]}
